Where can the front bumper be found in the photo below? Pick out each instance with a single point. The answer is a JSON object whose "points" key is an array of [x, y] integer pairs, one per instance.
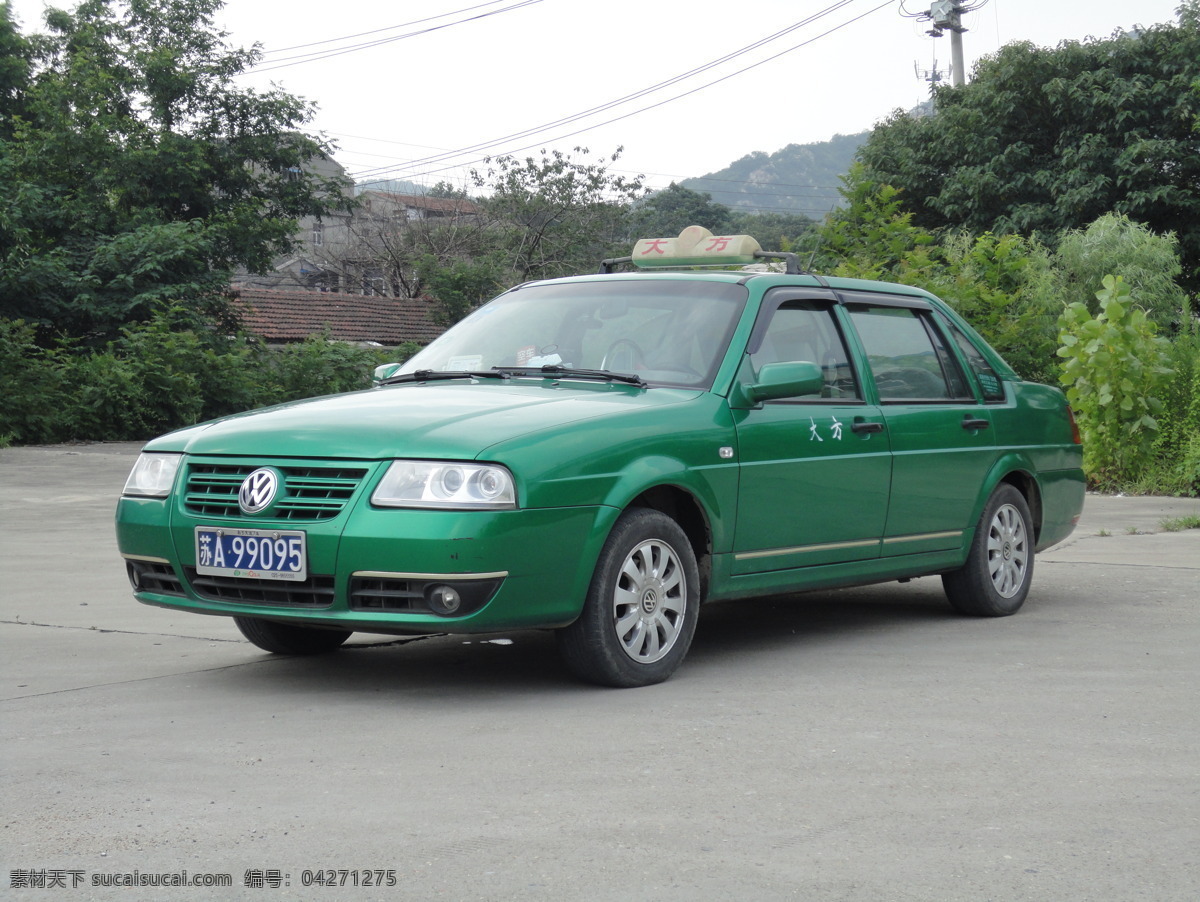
{"points": [[373, 569]]}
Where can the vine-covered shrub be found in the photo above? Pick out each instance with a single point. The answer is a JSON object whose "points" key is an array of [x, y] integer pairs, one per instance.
{"points": [[1114, 369]]}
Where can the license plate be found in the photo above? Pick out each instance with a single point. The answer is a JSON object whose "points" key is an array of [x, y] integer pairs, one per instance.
{"points": [[251, 553]]}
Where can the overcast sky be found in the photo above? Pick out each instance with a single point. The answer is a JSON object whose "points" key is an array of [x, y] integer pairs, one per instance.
{"points": [[492, 70]]}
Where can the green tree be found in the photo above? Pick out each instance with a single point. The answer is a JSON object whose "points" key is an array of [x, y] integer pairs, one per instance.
{"points": [[777, 231], [135, 174], [459, 285], [14, 70], [557, 215], [668, 212], [1046, 140], [448, 190], [874, 237]]}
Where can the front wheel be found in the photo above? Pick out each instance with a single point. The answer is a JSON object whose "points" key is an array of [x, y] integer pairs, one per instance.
{"points": [[995, 579], [286, 639], [641, 608]]}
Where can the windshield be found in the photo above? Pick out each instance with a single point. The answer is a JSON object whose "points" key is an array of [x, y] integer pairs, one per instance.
{"points": [[669, 332]]}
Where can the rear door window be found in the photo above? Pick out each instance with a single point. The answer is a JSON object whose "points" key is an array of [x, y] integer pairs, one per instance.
{"points": [[908, 356]]}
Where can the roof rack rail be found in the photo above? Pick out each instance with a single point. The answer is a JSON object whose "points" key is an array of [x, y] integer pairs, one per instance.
{"points": [[791, 261], [607, 266]]}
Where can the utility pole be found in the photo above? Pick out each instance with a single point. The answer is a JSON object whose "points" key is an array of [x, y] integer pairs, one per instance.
{"points": [[946, 15]]}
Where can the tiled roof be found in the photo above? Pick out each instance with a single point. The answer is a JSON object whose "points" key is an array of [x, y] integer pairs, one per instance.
{"points": [[294, 315]]}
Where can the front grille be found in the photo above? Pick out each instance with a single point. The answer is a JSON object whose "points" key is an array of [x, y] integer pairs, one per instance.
{"points": [[152, 576], [379, 594], [308, 493], [314, 592]]}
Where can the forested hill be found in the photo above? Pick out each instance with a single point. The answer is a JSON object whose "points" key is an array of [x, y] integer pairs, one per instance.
{"points": [[801, 178]]}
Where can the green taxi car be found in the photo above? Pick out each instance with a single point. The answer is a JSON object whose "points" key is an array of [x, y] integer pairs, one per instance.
{"points": [[600, 455]]}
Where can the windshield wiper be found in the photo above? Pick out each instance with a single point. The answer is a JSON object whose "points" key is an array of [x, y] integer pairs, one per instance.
{"points": [[557, 369], [433, 375]]}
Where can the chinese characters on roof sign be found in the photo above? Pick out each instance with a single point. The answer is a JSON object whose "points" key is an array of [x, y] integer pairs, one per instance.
{"points": [[695, 246]]}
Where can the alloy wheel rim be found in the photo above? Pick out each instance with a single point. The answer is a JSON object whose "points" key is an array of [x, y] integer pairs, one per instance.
{"points": [[1008, 551], [649, 601]]}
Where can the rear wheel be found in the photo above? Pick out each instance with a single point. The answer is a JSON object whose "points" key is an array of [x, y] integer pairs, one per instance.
{"points": [[642, 606], [286, 639], [995, 579]]}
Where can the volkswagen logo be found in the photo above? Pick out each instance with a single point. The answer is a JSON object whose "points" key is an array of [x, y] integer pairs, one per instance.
{"points": [[258, 490]]}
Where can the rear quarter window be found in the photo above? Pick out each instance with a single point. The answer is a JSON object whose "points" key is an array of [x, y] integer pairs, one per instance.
{"points": [[989, 382]]}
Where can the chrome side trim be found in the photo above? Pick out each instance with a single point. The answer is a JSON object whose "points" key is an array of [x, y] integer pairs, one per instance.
{"points": [[804, 549], [448, 577], [949, 534]]}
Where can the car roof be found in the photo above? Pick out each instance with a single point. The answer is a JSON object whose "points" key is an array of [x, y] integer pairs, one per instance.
{"points": [[772, 280]]}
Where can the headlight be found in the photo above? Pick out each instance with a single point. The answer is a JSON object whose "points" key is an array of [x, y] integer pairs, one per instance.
{"points": [[153, 475], [462, 486]]}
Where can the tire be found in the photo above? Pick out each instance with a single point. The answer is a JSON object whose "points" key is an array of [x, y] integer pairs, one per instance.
{"points": [[641, 608], [995, 579], [285, 639]]}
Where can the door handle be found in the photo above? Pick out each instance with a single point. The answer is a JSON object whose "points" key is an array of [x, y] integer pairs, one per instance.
{"points": [[970, 422], [862, 427]]}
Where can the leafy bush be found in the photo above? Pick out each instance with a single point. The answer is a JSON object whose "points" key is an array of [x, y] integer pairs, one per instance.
{"points": [[320, 366], [1004, 285], [1175, 468], [1148, 262], [1114, 369], [156, 377], [32, 386]]}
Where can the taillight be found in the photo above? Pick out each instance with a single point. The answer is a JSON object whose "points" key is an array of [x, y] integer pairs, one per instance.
{"points": [[1075, 436]]}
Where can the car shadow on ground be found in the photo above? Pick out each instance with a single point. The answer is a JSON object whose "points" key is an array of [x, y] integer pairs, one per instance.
{"points": [[751, 625], [472, 667]]}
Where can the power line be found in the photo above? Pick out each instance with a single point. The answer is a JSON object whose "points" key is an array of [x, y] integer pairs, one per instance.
{"points": [[575, 117], [285, 62], [363, 34], [410, 166]]}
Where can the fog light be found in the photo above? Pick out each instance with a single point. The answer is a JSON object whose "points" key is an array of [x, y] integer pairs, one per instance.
{"points": [[443, 600]]}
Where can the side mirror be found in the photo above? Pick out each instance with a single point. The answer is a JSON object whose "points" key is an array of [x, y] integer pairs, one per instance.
{"points": [[786, 380], [383, 371]]}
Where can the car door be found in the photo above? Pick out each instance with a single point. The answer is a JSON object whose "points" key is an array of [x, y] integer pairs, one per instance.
{"points": [[815, 469], [942, 441]]}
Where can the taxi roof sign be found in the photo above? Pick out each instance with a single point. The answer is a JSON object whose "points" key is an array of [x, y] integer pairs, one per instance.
{"points": [[696, 246]]}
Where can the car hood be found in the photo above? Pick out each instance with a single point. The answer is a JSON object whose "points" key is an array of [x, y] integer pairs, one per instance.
{"points": [[458, 420]]}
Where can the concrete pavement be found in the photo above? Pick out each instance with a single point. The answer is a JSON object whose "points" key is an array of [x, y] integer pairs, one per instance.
{"points": [[857, 745]]}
